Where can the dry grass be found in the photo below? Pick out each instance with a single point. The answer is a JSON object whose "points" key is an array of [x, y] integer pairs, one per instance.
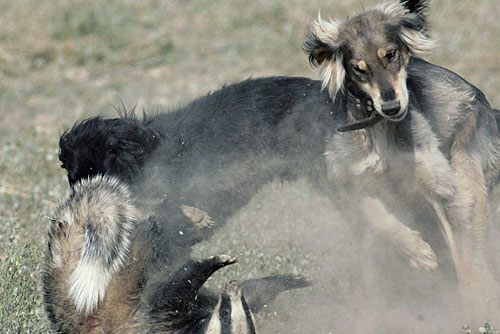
{"points": [[61, 61]]}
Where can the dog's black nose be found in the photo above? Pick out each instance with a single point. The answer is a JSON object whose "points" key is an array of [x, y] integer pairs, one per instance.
{"points": [[388, 94], [391, 108]]}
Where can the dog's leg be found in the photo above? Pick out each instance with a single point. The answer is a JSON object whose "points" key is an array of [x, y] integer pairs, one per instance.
{"points": [[409, 241], [173, 295], [457, 193], [448, 195], [470, 210]]}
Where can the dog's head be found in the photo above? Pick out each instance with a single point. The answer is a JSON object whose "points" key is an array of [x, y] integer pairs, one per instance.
{"points": [[117, 146], [370, 51]]}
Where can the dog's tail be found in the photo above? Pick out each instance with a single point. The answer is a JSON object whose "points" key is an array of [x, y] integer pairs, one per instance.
{"points": [[89, 241], [114, 146]]}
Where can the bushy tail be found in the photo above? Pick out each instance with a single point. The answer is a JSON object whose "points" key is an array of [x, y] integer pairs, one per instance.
{"points": [[89, 241]]}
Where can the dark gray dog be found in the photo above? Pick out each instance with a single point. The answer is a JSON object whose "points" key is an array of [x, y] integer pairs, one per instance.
{"points": [[394, 129]]}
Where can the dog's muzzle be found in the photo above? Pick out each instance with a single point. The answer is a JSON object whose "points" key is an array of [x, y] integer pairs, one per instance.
{"points": [[391, 108], [364, 106], [392, 111]]}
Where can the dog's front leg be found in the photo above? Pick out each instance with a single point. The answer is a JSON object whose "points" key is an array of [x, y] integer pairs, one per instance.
{"points": [[469, 211], [409, 241]]}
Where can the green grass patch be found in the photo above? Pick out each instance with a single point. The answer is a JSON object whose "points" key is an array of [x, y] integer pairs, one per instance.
{"points": [[108, 22], [21, 308]]}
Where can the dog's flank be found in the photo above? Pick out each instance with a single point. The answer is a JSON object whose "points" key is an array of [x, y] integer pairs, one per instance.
{"points": [[132, 284]]}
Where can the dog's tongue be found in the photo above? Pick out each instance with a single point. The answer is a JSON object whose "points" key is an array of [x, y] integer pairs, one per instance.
{"points": [[369, 121]]}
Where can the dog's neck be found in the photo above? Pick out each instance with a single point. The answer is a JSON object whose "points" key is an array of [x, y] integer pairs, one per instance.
{"points": [[359, 104], [359, 108]]}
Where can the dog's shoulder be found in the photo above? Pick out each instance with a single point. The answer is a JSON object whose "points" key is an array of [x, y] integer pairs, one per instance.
{"points": [[422, 74]]}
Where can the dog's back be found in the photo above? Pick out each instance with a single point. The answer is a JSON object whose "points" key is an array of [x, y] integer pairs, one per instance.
{"points": [[232, 121], [222, 148]]}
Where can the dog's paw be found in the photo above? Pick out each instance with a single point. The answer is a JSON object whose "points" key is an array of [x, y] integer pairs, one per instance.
{"points": [[199, 217], [225, 260], [420, 252]]}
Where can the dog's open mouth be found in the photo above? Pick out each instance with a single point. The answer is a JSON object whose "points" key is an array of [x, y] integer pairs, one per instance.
{"points": [[394, 118]]}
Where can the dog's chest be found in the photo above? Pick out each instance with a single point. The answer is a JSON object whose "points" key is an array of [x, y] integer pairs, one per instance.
{"points": [[356, 153], [369, 153], [400, 154]]}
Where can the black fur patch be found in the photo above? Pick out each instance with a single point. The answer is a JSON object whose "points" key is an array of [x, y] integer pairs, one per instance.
{"points": [[112, 146]]}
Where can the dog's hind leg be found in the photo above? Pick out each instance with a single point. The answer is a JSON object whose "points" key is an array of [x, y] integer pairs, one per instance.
{"points": [[180, 288], [456, 190], [409, 241], [469, 209]]}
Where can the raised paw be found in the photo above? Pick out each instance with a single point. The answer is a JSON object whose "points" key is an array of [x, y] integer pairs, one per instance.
{"points": [[420, 252], [199, 217], [225, 260]]}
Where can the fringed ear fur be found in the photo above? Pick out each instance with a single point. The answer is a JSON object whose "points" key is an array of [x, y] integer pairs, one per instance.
{"points": [[408, 19], [417, 41], [324, 50], [324, 47]]}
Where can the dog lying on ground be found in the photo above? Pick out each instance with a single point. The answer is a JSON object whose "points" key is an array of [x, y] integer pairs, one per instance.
{"points": [[392, 129], [108, 272]]}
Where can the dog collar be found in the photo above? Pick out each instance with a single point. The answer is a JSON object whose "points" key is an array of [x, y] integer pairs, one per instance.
{"points": [[360, 105], [369, 121]]}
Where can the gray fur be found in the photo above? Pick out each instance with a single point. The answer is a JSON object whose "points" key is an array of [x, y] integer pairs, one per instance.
{"points": [[440, 139], [101, 212]]}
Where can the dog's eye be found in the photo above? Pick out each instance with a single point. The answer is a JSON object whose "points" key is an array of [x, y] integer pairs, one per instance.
{"points": [[391, 55], [359, 70]]}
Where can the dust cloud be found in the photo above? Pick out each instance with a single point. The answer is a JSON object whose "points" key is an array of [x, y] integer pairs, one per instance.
{"points": [[363, 283]]}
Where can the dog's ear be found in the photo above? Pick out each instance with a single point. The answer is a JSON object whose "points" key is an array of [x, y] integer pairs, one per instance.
{"points": [[414, 37], [419, 8], [408, 20], [323, 48]]}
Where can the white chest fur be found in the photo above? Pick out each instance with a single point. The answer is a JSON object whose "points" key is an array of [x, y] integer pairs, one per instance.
{"points": [[356, 152], [372, 150]]}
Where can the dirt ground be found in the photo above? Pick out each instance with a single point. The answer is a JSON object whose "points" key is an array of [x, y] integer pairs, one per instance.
{"points": [[62, 61]]}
